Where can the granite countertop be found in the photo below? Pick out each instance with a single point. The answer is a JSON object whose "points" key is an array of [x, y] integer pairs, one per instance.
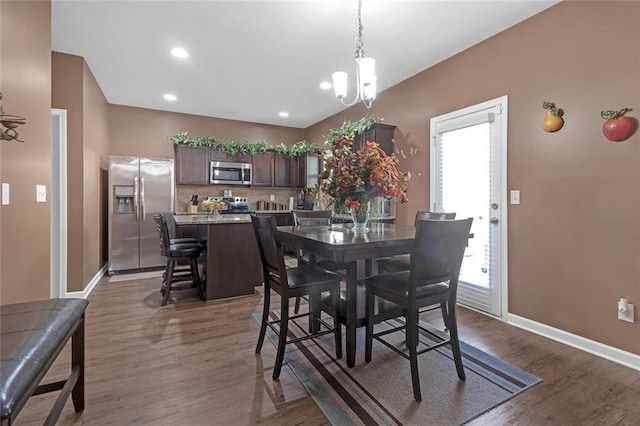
{"points": [[206, 219]]}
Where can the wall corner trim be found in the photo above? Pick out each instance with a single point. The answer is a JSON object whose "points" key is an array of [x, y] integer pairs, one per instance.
{"points": [[92, 284], [607, 352]]}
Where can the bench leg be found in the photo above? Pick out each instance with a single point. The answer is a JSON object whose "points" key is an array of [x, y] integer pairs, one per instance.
{"points": [[77, 359]]}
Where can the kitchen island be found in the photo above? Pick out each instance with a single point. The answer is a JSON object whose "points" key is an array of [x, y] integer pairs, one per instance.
{"points": [[233, 266]]}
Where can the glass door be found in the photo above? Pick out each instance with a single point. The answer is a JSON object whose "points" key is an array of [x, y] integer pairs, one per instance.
{"points": [[468, 177]]}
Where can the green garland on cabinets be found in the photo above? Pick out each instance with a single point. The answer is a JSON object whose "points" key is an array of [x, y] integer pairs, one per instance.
{"points": [[233, 148]]}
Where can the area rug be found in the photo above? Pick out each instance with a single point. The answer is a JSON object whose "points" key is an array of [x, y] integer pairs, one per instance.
{"points": [[380, 392]]}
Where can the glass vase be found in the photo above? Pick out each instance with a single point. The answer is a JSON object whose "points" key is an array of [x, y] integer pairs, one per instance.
{"points": [[360, 218]]}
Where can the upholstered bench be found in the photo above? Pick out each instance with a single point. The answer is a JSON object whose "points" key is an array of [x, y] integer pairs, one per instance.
{"points": [[33, 335]]}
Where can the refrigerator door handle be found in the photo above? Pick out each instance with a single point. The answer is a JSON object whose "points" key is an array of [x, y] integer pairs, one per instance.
{"points": [[142, 199], [135, 198]]}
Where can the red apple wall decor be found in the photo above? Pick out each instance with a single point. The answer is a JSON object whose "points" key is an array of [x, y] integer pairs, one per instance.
{"points": [[553, 120], [618, 127]]}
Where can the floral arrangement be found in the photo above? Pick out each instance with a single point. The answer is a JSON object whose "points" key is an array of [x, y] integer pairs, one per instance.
{"points": [[351, 179], [214, 206]]}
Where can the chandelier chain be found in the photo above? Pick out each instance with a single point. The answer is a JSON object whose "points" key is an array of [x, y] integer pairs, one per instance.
{"points": [[359, 50]]}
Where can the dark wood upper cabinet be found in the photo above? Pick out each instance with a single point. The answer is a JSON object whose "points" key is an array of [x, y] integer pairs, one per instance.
{"points": [[192, 165], [271, 169], [263, 169], [215, 154], [283, 171], [306, 168], [381, 133]]}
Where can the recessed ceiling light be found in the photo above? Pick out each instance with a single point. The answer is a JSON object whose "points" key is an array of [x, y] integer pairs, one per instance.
{"points": [[170, 97], [326, 85], [179, 52], [283, 114]]}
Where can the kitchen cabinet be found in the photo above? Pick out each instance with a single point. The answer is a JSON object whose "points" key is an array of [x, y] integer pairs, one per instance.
{"points": [[192, 165], [271, 169], [283, 171], [263, 169], [216, 155], [306, 169], [381, 133]]}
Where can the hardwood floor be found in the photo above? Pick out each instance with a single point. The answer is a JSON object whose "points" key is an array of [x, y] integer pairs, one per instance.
{"points": [[191, 363]]}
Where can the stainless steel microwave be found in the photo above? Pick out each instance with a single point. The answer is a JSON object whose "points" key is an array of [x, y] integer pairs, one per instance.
{"points": [[230, 173]]}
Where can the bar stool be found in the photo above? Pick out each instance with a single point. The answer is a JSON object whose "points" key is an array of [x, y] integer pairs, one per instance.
{"points": [[176, 252]]}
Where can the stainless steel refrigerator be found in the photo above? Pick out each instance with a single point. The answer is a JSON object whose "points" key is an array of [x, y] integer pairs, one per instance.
{"points": [[139, 189]]}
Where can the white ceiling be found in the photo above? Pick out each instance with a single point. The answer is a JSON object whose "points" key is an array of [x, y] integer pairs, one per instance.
{"points": [[249, 60]]}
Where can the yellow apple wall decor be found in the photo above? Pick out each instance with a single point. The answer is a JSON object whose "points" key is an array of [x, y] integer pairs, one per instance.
{"points": [[618, 128], [553, 120]]}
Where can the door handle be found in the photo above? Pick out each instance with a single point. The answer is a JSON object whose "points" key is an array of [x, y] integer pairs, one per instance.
{"points": [[135, 197], [142, 198], [494, 220]]}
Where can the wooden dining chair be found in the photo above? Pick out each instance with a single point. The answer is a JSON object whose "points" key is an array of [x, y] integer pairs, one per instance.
{"points": [[288, 283], [401, 263], [309, 218], [432, 279]]}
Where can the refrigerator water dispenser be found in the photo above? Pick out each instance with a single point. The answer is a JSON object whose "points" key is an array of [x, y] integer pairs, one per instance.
{"points": [[123, 199]]}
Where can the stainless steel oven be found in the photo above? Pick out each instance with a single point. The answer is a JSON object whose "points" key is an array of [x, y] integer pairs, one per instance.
{"points": [[230, 173]]}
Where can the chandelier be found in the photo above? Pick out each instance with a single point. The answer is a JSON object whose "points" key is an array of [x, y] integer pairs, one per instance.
{"points": [[365, 73]]}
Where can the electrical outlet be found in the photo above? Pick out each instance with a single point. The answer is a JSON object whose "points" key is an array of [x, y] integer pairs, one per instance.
{"points": [[515, 196], [628, 314]]}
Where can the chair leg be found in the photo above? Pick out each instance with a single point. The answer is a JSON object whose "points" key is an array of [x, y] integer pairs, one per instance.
{"points": [[445, 315], [164, 278], [412, 344], [196, 278], [369, 322], [455, 342], [77, 359], [335, 298], [265, 317], [282, 341], [296, 309], [167, 289], [314, 313]]}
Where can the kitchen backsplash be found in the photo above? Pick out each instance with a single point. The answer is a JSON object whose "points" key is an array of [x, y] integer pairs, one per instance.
{"points": [[253, 195]]}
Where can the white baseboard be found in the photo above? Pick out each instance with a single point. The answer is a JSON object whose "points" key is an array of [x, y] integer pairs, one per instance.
{"points": [[610, 353], [89, 288]]}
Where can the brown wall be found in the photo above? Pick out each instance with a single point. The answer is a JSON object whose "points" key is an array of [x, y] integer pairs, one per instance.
{"points": [[75, 89], [96, 164], [25, 62], [67, 94], [574, 242], [145, 132]]}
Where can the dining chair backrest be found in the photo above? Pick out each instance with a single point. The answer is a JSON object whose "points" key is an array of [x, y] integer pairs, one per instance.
{"points": [[163, 231], [307, 218], [438, 251], [271, 253], [423, 214]]}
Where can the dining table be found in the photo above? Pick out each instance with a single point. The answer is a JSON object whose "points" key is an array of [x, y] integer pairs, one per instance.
{"points": [[338, 243]]}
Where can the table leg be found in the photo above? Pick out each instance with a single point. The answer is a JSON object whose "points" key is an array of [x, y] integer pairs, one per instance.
{"points": [[352, 282]]}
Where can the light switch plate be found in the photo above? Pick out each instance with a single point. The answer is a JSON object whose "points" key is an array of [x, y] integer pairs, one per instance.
{"points": [[515, 196], [41, 194], [5, 194]]}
